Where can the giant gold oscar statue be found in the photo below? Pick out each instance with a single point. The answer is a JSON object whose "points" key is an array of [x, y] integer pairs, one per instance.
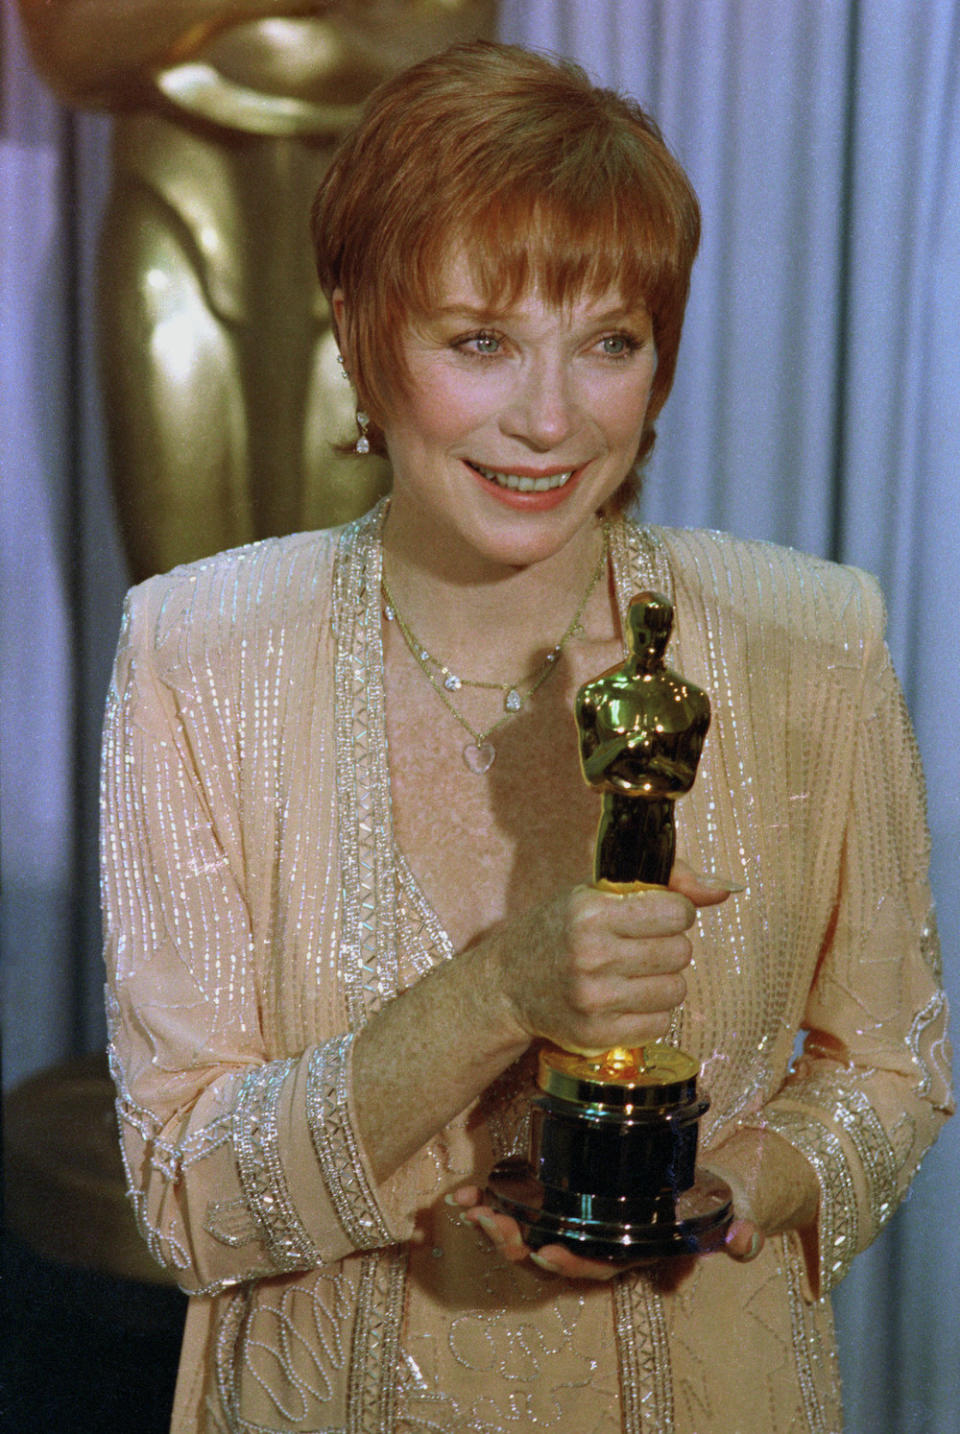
{"points": [[223, 398], [611, 1169]]}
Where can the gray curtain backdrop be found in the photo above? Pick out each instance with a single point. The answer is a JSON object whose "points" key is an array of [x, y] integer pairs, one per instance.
{"points": [[817, 403]]}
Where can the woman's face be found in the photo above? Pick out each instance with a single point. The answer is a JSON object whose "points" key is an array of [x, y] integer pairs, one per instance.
{"points": [[518, 425]]}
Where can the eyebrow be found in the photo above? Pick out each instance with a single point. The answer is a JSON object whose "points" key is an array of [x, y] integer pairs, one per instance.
{"points": [[467, 311], [482, 314]]}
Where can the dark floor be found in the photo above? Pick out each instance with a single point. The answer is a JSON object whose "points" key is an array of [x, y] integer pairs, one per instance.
{"points": [[83, 1353]]}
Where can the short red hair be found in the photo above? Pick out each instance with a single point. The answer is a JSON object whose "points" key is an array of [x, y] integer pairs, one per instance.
{"points": [[543, 180]]}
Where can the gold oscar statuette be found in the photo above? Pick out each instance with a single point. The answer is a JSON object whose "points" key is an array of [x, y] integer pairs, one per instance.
{"points": [[611, 1169]]}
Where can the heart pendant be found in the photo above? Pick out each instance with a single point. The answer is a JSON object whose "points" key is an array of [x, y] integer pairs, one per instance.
{"points": [[479, 757]]}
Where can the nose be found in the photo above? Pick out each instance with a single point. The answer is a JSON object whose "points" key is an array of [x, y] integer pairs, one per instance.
{"points": [[543, 409]]}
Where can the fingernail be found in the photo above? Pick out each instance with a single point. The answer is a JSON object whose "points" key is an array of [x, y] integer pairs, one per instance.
{"points": [[453, 1202], [538, 1259], [489, 1225], [722, 883], [756, 1244]]}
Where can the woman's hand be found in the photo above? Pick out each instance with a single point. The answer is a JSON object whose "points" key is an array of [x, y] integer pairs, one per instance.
{"points": [[592, 969], [612, 967], [562, 970], [743, 1242]]}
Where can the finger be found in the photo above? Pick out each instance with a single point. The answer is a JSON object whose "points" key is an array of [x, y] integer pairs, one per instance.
{"points": [[652, 912], [744, 1240], [622, 976], [645, 995], [624, 1009], [502, 1232], [701, 888], [463, 1198], [558, 1260], [631, 1031]]}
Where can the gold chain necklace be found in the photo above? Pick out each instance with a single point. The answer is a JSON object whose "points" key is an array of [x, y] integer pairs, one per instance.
{"points": [[479, 753]]}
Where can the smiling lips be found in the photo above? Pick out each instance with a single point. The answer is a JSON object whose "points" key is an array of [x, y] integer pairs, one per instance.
{"points": [[525, 482]]}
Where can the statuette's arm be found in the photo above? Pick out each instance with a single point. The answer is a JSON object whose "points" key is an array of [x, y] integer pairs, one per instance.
{"points": [[597, 766], [102, 52]]}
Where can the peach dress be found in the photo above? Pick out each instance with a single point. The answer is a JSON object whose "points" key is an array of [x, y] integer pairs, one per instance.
{"points": [[257, 913]]}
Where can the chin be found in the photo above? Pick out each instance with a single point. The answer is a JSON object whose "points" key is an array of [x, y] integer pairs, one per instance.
{"points": [[536, 541]]}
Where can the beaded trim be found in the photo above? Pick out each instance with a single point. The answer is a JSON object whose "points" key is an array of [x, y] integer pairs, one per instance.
{"points": [[804, 1335], [423, 940], [368, 953], [838, 1197], [932, 1017], [328, 1115], [368, 949], [371, 1405], [257, 1145], [227, 1344], [168, 1158], [639, 561], [230, 1223], [852, 1110], [643, 1349]]}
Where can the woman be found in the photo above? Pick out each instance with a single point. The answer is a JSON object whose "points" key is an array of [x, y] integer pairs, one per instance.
{"points": [[346, 839]]}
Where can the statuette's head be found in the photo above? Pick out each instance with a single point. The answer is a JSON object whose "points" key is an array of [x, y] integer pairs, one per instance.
{"points": [[650, 618]]}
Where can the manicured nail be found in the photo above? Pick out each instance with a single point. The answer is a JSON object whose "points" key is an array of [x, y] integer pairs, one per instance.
{"points": [[490, 1227], [752, 1251], [538, 1259], [722, 883]]}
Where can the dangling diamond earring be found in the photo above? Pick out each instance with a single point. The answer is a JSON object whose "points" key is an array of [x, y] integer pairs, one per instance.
{"points": [[362, 444], [343, 367]]}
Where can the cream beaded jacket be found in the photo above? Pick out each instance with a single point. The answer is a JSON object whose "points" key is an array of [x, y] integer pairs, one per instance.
{"points": [[257, 912]]}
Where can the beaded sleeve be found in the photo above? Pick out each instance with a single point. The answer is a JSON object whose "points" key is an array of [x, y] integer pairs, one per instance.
{"points": [[238, 1165], [872, 1087]]}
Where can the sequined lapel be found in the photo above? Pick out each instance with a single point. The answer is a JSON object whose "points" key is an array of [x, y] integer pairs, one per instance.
{"points": [[368, 949], [368, 953]]}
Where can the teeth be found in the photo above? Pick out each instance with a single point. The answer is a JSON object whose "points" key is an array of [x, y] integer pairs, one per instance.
{"points": [[523, 484]]}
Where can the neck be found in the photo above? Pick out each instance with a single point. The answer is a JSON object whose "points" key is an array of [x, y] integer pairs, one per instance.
{"points": [[494, 619]]}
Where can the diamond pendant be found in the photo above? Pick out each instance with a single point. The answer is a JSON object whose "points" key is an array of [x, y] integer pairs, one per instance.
{"points": [[513, 701], [479, 757]]}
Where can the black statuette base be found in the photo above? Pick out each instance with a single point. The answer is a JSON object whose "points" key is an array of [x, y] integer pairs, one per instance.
{"points": [[612, 1167], [691, 1224]]}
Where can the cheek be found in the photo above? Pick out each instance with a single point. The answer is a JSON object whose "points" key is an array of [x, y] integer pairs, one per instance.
{"points": [[444, 411], [641, 403], [624, 421]]}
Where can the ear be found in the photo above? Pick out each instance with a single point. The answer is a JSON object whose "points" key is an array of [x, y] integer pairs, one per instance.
{"points": [[338, 311]]}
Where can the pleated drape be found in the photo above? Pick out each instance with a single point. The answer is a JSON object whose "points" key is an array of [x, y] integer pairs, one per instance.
{"points": [[61, 573]]}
